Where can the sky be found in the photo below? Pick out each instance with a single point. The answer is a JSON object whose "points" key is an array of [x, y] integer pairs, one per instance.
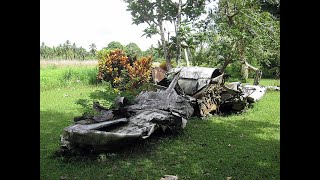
{"points": [[90, 21]]}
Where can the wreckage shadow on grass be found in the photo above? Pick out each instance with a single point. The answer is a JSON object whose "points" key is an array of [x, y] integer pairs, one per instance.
{"points": [[228, 111], [138, 147], [202, 144]]}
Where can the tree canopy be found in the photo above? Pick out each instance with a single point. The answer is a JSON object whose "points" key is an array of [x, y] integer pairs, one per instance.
{"points": [[115, 45], [156, 12]]}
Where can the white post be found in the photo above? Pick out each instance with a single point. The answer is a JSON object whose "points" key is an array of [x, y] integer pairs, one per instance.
{"points": [[186, 55]]}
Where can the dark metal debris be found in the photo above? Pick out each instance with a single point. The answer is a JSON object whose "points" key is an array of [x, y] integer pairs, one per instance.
{"points": [[163, 109], [182, 93]]}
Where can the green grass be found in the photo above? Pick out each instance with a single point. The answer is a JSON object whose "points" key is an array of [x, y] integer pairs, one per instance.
{"points": [[244, 146], [52, 77], [266, 82], [263, 82]]}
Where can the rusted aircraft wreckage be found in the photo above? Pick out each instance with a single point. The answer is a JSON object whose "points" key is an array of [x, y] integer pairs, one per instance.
{"points": [[182, 93]]}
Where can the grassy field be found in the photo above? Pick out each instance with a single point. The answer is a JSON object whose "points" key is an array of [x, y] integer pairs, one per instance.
{"points": [[244, 146], [57, 77]]}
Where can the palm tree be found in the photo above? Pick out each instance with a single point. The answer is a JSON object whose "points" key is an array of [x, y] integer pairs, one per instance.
{"points": [[82, 52], [74, 49], [42, 50], [66, 48], [93, 49]]}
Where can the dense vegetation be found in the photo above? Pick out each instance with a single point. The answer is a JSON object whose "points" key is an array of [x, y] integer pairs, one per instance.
{"points": [[122, 71], [70, 51], [67, 51], [235, 35]]}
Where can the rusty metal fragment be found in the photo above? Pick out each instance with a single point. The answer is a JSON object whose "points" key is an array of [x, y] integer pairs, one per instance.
{"points": [[158, 74]]}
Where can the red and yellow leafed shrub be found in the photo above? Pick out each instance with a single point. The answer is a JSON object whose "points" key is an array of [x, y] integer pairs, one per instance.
{"points": [[114, 66], [140, 71], [110, 65]]}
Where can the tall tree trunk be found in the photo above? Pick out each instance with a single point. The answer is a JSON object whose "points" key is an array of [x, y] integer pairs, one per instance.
{"points": [[257, 78], [177, 32], [244, 71], [244, 64], [163, 41], [225, 64], [258, 73]]}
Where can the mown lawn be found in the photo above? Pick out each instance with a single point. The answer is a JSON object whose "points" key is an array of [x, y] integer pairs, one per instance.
{"points": [[244, 146]]}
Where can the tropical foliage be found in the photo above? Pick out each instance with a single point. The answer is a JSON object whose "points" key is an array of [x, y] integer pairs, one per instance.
{"points": [[234, 35], [123, 73], [67, 51], [155, 13]]}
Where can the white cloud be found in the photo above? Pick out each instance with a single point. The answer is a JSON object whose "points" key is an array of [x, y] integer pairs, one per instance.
{"points": [[85, 22]]}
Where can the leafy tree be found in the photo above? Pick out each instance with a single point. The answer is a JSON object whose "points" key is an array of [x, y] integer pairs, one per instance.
{"points": [[115, 45], [82, 53], [156, 12], [271, 6], [93, 49], [133, 50], [43, 48], [154, 53], [246, 34], [74, 50]]}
